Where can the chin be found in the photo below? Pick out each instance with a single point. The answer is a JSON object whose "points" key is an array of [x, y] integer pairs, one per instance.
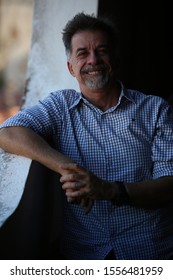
{"points": [[98, 84]]}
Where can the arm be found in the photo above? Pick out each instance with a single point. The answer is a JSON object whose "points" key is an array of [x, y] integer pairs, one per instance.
{"points": [[23, 141], [150, 194]]}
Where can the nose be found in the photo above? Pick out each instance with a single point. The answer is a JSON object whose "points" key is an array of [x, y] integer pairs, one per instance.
{"points": [[93, 58]]}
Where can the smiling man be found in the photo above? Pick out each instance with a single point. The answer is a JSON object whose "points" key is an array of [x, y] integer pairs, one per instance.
{"points": [[112, 147], [91, 63]]}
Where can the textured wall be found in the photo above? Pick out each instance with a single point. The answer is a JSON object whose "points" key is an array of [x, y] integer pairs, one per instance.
{"points": [[47, 71]]}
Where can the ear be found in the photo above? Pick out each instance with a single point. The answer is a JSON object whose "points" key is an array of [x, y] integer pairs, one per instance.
{"points": [[70, 68]]}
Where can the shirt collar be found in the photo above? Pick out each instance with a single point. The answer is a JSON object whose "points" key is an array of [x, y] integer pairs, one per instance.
{"points": [[124, 93], [77, 100]]}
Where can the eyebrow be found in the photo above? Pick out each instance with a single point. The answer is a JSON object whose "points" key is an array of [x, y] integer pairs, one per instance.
{"points": [[99, 46]]}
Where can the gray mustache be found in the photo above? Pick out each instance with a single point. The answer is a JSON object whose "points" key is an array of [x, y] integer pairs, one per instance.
{"points": [[94, 68]]}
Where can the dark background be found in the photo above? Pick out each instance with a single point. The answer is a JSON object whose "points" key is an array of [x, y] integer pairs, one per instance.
{"points": [[146, 44]]}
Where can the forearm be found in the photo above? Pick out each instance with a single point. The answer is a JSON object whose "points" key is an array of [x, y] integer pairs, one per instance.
{"points": [[23, 141], [149, 194]]}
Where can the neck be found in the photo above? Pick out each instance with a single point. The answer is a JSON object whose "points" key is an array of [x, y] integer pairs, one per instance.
{"points": [[104, 98]]}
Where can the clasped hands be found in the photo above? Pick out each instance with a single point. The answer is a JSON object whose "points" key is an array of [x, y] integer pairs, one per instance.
{"points": [[83, 187]]}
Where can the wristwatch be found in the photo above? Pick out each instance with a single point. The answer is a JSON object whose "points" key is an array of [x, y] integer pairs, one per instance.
{"points": [[122, 197]]}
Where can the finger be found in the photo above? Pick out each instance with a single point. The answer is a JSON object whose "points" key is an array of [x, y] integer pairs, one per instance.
{"points": [[73, 193], [83, 202], [71, 177], [87, 204], [76, 191], [71, 199], [73, 185], [68, 185]]}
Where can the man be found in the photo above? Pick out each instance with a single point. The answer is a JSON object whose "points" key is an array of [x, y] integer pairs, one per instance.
{"points": [[113, 148]]}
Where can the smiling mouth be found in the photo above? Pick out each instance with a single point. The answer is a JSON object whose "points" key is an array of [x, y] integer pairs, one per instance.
{"points": [[93, 73]]}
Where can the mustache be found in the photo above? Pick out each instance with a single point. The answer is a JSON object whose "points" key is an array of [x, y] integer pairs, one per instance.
{"points": [[89, 68]]}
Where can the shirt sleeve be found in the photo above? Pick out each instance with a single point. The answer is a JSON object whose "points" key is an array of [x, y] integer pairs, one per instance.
{"points": [[43, 118], [162, 148]]}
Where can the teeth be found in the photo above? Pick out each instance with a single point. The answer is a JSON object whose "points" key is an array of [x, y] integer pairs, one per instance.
{"points": [[93, 72]]}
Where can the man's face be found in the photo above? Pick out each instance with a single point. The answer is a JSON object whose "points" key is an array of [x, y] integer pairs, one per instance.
{"points": [[90, 60]]}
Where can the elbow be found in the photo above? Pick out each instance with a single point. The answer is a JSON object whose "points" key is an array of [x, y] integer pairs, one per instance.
{"points": [[6, 139]]}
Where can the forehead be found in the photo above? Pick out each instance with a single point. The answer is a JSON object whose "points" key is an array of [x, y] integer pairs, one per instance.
{"points": [[89, 38]]}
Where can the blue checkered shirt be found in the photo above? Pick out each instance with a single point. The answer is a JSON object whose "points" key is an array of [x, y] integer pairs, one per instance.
{"points": [[130, 142]]}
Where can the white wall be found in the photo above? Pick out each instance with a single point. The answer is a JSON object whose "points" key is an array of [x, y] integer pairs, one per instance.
{"points": [[47, 63], [47, 71]]}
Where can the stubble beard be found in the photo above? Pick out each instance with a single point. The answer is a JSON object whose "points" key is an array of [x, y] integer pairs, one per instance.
{"points": [[97, 82]]}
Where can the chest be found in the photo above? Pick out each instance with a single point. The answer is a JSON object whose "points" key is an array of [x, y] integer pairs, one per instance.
{"points": [[110, 145]]}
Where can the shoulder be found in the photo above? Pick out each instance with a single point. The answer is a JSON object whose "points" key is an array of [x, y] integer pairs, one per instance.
{"points": [[147, 99], [64, 97], [151, 107]]}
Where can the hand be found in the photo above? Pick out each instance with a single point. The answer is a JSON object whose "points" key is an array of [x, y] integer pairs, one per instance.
{"points": [[81, 183]]}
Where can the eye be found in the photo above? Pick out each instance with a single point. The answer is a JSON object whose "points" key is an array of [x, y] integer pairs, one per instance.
{"points": [[102, 51], [81, 53]]}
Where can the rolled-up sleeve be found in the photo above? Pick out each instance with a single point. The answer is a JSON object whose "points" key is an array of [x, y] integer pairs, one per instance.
{"points": [[43, 118], [162, 148]]}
